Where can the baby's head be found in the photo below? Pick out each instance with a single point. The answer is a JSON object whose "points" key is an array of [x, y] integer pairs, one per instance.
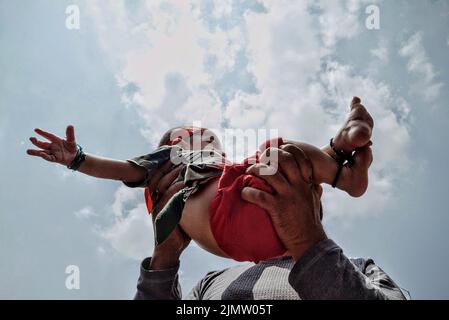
{"points": [[192, 138]]}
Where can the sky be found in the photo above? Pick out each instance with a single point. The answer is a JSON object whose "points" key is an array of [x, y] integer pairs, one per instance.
{"points": [[133, 69]]}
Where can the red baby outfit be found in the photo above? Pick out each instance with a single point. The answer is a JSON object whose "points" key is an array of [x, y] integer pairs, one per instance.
{"points": [[243, 230]]}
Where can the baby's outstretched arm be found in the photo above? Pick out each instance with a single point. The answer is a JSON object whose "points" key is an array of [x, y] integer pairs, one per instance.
{"points": [[63, 151]]}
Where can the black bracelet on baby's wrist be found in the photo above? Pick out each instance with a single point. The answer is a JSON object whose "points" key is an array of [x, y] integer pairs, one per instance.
{"points": [[79, 159]]}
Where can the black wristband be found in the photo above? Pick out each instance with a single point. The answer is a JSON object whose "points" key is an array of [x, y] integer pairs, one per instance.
{"points": [[337, 175], [344, 159], [79, 159]]}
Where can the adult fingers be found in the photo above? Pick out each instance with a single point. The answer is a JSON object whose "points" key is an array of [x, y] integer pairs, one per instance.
{"points": [[267, 156], [283, 160], [154, 181], [40, 144], [291, 164], [276, 180], [165, 197], [70, 134], [261, 198], [289, 159], [303, 162], [318, 190], [47, 135], [167, 179]]}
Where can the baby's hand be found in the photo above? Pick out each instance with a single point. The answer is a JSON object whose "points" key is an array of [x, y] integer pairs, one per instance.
{"points": [[58, 150]]}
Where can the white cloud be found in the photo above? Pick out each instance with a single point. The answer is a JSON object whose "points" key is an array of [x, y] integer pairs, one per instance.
{"points": [[131, 234], [164, 57], [286, 55], [379, 58], [85, 212], [222, 9], [123, 196], [101, 250], [381, 53], [339, 20], [426, 83]]}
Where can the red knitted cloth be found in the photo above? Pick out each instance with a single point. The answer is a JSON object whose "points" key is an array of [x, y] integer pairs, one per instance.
{"points": [[243, 230]]}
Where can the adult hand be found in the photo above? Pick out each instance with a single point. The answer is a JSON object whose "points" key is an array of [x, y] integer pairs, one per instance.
{"points": [[166, 255], [295, 206], [58, 150]]}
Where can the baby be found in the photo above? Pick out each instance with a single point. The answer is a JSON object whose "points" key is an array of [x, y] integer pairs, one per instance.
{"points": [[209, 209]]}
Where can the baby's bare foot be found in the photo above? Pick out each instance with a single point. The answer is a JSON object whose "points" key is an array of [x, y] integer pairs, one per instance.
{"points": [[354, 179], [355, 135], [357, 129]]}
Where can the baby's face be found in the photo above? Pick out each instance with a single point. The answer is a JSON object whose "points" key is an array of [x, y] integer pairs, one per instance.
{"points": [[196, 139]]}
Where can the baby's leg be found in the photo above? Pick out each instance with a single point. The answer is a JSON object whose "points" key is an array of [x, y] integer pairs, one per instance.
{"points": [[353, 180]]}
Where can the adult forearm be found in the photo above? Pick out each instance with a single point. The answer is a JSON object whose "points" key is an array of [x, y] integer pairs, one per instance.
{"points": [[163, 260], [162, 284], [324, 272], [105, 168]]}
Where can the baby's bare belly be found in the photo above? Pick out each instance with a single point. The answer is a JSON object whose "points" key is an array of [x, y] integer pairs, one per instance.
{"points": [[195, 218]]}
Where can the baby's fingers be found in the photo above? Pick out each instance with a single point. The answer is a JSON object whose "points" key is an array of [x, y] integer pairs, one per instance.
{"points": [[47, 135], [70, 134], [40, 144], [42, 154]]}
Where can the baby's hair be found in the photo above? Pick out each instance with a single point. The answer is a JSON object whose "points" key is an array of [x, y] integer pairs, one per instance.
{"points": [[167, 138]]}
